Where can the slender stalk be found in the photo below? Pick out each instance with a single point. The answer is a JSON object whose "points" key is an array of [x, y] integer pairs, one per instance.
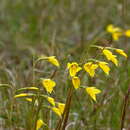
{"points": [[124, 16], [67, 106], [68, 109], [124, 11], [33, 70], [33, 123], [37, 113], [124, 108], [61, 120]]}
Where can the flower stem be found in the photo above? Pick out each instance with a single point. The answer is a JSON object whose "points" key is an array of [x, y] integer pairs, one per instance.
{"points": [[68, 109], [124, 20], [37, 113], [65, 115], [33, 70], [124, 108]]}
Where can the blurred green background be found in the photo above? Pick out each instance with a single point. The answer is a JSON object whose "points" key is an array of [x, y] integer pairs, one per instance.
{"points": [[66, 22]]}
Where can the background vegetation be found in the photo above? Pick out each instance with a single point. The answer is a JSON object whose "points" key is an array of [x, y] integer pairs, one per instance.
{"points": [[64, 28]]}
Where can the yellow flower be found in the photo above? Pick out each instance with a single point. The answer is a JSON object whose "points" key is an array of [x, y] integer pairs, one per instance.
{"points": [[57, 111], [61, 107], [73, 68], [110, 56], [114, 60], [116, 35], [127, 33], [50, 59], [104, 67], [90, 68], [39, 124], [21, 95], [115, 31], [76, 82], [48, 84], [51, 100], [121, 52], [92, 91], [112, 29], [53, 60]]}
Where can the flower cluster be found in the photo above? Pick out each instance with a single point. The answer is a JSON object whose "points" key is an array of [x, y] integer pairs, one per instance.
{"points": [[117, 32], [92, 65], [48, 84], [74, 68]]}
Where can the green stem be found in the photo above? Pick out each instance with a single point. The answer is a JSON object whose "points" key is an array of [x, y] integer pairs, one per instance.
{"points": [[37, 113], [67, 106], [124, 108], [68, 109], [33, 69], [124, 16]]}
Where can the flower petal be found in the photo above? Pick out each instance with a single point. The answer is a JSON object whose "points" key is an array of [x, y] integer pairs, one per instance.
{"points": [[57, 111], [40, 123], [92, 91], [73, 68], [76, 82], [48, 84], [104, 67], [61, 107], [51, 100], [110, 56], [90, 68], [127, 33], [121, 52]]}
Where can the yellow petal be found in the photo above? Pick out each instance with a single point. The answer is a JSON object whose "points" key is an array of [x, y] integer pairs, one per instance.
{"points": [[76, 82], [51, 100], [114, 60], [127, 33], [73, 68], [112, 29], [39, 124], [68, 65], [116, 35], [57, 111], [78, 69], [90, 68], [61, 107], [53, 60], [115, 31], [48, 84], [107, 53], [50, 59], [110, 56], [104, 67], [121, 52], [92, 91]]}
